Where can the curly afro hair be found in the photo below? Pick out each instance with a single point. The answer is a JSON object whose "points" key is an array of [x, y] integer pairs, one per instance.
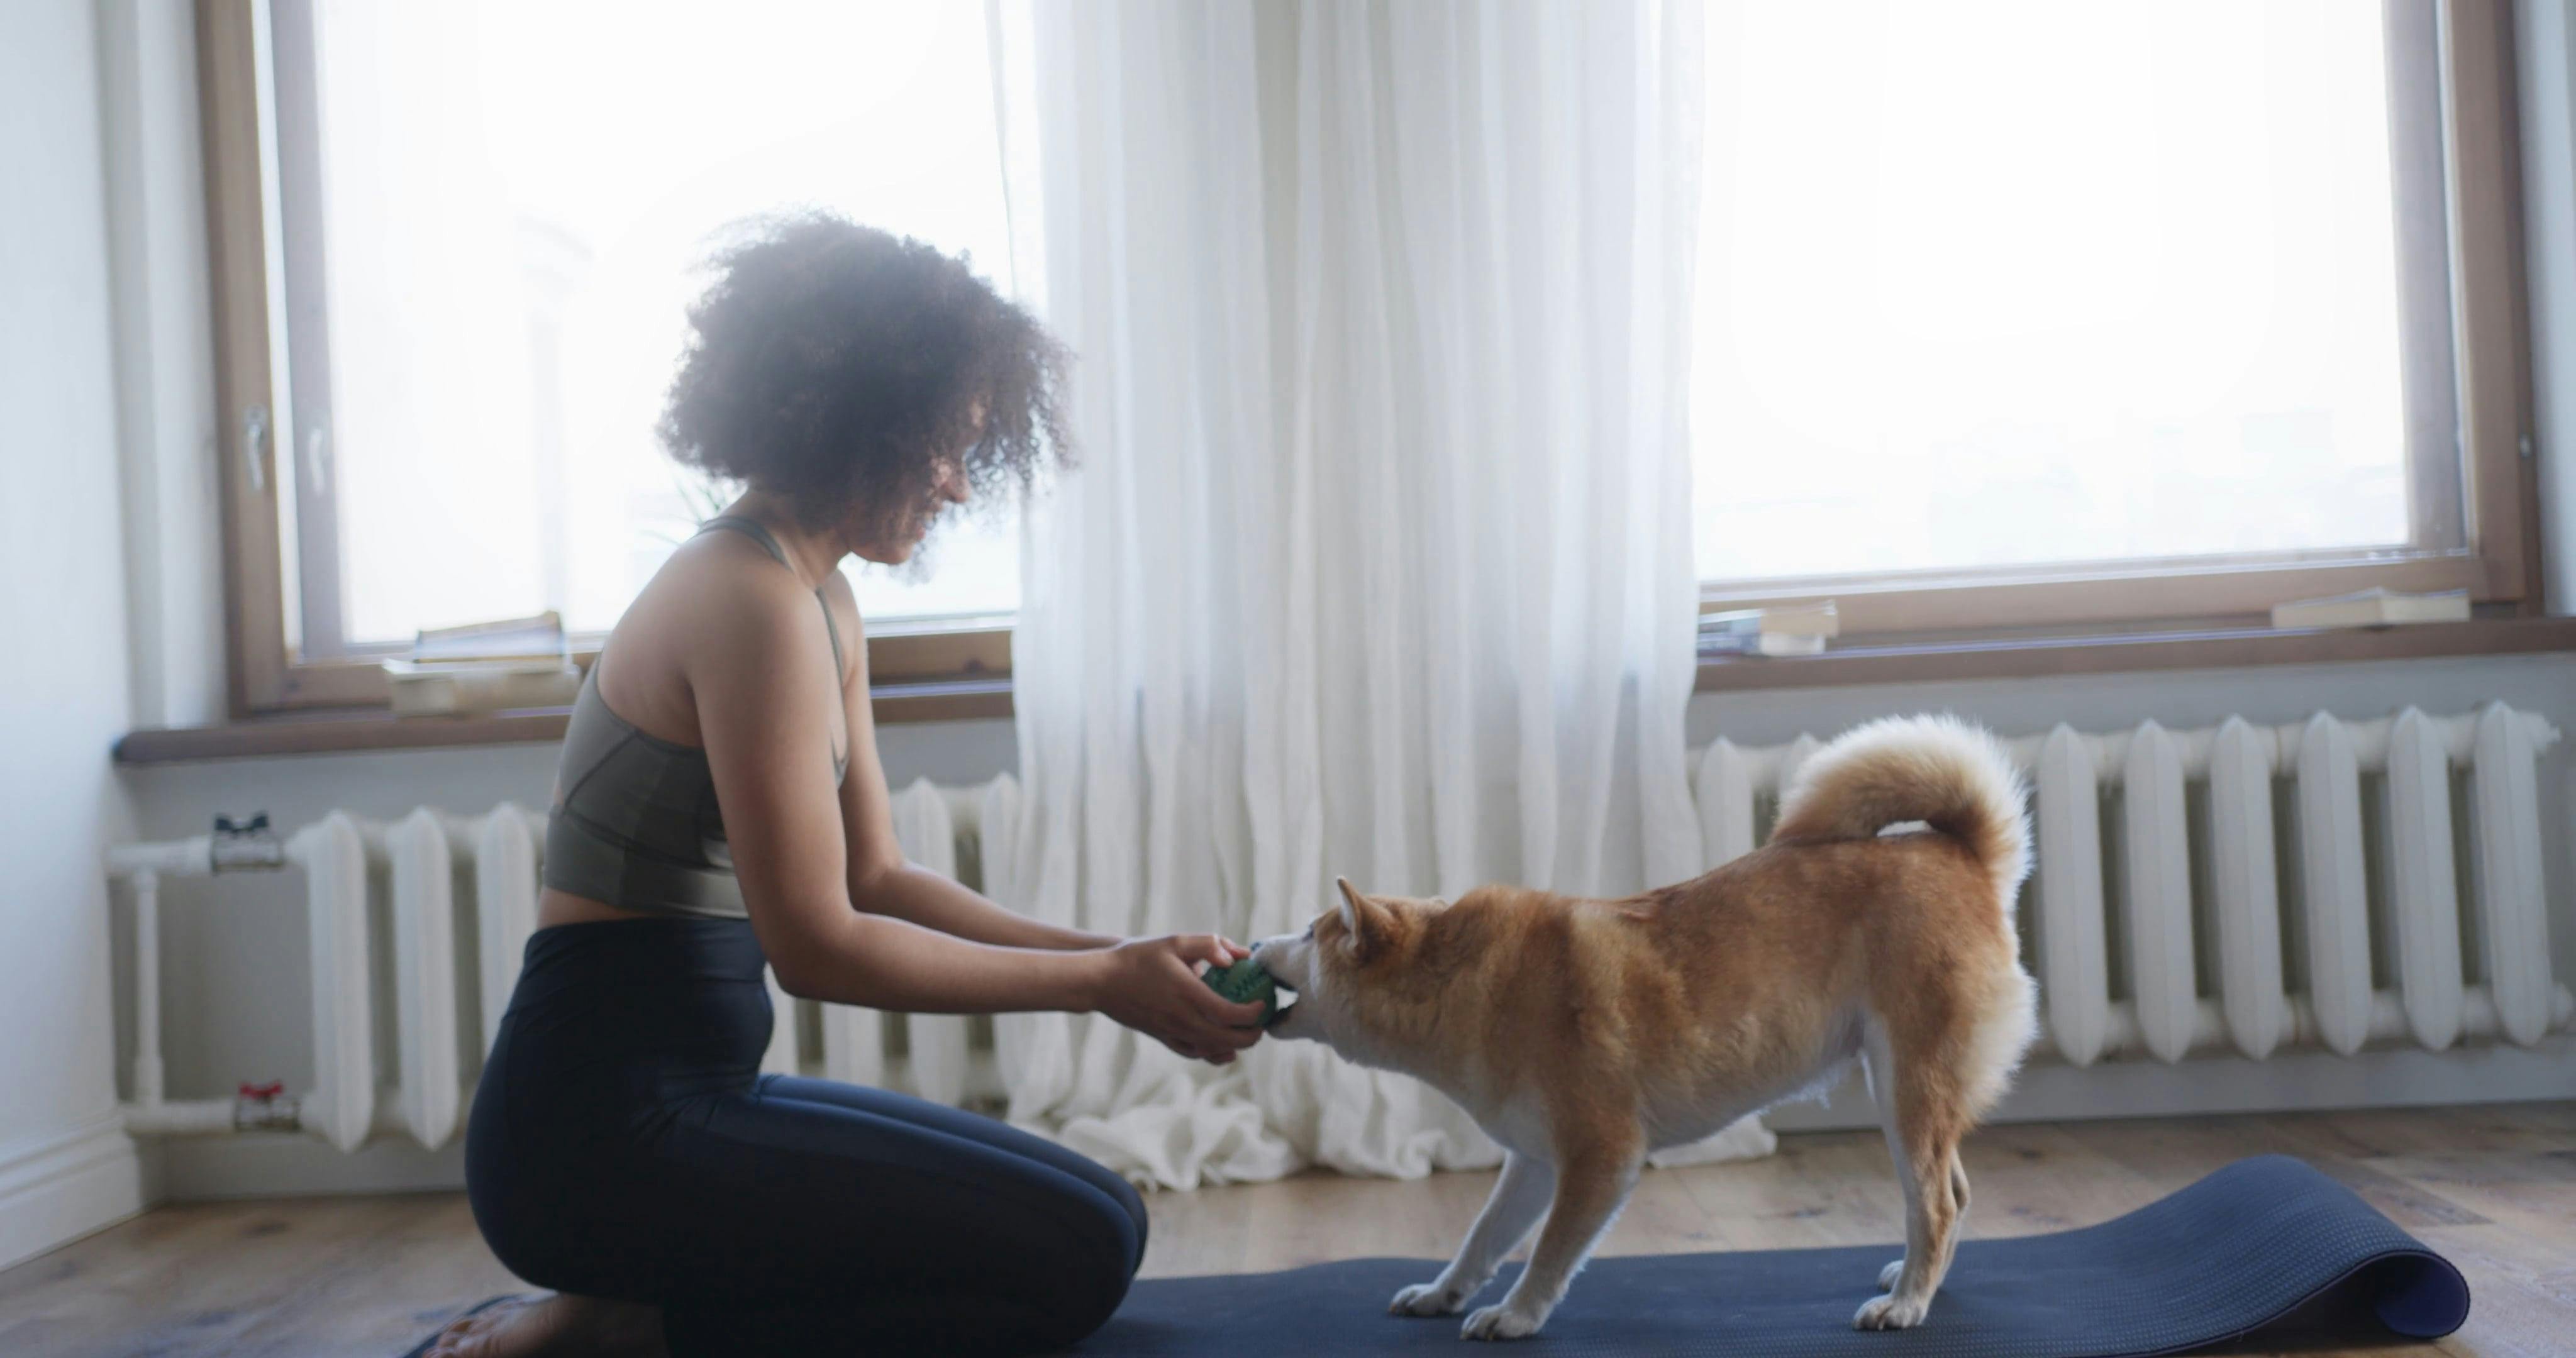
{"points": [[842, 367]]}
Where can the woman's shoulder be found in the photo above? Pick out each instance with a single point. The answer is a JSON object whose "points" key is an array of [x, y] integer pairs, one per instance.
{"points": [[721, 588]]}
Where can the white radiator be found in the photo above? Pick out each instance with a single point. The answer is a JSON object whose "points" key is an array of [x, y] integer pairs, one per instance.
{"points": [[416, 876], [2320, 884], [414, 868], [2218, 837]]}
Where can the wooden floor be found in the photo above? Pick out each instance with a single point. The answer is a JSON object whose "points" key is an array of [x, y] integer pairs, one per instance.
{"points": [[2494, 1188]]}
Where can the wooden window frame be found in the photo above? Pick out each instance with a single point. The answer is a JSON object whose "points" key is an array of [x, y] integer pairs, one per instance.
{"points": [[2498, 565], [265, 674]]}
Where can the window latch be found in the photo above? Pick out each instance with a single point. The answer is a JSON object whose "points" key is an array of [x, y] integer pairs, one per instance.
{"points": [[317, 463], [254, 444]]}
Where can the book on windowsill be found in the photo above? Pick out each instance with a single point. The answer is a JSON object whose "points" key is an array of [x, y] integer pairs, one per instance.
{"points": [[1760, 643], [2373, 607], [507, 639], [1800, 629], [485, 667], [478, 687]]}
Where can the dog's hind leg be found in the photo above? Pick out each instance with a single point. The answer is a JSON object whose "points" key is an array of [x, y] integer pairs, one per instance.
{"points": [[1921, 1111], [1519, 1199], [1959, 1194], [1592, 1183]]}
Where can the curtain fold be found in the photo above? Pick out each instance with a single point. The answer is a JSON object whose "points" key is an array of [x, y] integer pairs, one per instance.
{"points": [[1378, 560]]}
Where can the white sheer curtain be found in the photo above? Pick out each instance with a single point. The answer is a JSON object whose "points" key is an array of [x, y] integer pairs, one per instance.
{"points": [[1378, 562]]}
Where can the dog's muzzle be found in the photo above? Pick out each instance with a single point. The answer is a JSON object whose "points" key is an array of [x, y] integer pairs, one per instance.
{"points": [[1286, 962]]}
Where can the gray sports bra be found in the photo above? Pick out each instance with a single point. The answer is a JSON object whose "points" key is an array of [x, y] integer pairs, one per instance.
{"points": [[637, 824]]}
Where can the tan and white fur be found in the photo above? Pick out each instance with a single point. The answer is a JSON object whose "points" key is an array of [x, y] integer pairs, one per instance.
{"points": [[1583, 1034]]}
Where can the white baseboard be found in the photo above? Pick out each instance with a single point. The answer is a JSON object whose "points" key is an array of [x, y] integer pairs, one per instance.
{"points": [[60, 1186], [294, 1165], [2289, 1082]]}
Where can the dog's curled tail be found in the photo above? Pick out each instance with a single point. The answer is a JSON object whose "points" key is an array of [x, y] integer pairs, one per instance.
{"points": [[1942, 771]]}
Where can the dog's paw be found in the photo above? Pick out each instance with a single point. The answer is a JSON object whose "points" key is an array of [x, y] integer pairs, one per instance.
{"points": [[1890, 1313], [1426, 1299], [1887, 1276], [1499, 1322]]}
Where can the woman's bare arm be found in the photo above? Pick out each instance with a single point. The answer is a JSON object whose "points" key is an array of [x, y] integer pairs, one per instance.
{"points": [[762, 693], [881, 881]]}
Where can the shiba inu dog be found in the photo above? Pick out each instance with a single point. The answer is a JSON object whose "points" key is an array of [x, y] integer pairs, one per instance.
{"points": [[1582, 1034]]}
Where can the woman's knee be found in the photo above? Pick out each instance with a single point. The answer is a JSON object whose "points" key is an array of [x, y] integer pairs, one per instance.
{"points": [[1131, 1204], [1084, 1279]]}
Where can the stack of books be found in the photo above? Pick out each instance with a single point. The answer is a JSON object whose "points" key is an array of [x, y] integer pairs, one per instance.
{"points": [[2371, 608], [1800, 629], [485, 667]]}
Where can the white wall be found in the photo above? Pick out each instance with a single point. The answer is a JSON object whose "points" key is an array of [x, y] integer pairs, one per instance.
{"points": [[2545, 54], [156, 217], [64, 1167]]}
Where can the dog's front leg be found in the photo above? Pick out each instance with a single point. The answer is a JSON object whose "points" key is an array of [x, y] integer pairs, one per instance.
{"points": [[1519, 1197], [1591, 1186]]}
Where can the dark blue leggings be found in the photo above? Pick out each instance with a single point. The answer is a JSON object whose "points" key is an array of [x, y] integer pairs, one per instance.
{"points": [[624, 1144]]}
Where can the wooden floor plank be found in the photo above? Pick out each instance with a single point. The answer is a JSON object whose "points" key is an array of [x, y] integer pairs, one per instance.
{"points": [[1662, 1216], [2035, 1177], [2494, 1188], [1828, 1188]]}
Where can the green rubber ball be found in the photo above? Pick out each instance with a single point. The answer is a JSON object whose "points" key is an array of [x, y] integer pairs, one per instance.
{"points": [[1245, 982]]}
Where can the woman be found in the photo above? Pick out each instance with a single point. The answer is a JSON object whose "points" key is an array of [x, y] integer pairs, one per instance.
{"points": [[719, 806]]}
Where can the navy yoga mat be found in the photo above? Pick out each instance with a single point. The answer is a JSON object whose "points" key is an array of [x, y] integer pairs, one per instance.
{"points": [[2266, 1247]]}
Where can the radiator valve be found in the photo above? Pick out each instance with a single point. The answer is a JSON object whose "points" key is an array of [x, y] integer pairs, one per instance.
{"points": [[266, 1108], [246, 844]]}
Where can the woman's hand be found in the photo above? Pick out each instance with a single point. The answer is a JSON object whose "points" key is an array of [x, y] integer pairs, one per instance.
{"points": [[1152, 985]]}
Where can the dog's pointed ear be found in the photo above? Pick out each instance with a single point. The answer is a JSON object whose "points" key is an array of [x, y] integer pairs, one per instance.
{"points": [[1364, 921]]}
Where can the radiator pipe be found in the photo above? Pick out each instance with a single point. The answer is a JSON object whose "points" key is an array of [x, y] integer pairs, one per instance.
{"points": [[248, 1113], [184, 1117], [147, 987], [143, 866]]}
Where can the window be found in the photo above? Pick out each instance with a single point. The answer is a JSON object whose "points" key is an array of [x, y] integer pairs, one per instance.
{"points": [[2011, 312], [478, 226], [2022, 312]]}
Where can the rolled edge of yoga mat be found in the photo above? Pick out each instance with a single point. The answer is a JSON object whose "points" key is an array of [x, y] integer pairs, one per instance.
{"points": [[2261, 1246]]}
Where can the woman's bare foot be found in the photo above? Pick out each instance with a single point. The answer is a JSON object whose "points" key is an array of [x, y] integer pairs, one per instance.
{"points": [[553, 1323]]}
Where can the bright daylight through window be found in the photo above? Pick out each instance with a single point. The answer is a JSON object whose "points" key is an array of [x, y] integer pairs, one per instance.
{"points": [[1994, 285], [489, 277], [1980, 293]]}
